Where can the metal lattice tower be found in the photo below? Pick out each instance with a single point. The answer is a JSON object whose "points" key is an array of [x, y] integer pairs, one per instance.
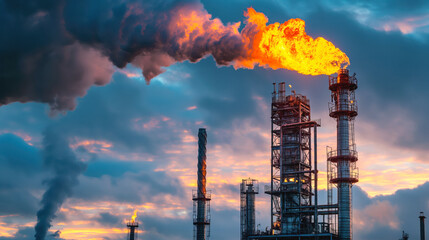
{"points": [[295, 210], [201, 197], [291, 190], [248, 189], [342, 170]]}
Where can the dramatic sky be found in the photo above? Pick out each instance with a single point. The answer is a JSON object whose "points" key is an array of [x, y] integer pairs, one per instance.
{"points": [[80, 126]]}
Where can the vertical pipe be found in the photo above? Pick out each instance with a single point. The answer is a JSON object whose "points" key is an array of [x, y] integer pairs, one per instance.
{"points": [[272, 172], [250, 197], [132, 233], [422, 226], [201, 214], [343, 169], [315, 183]]}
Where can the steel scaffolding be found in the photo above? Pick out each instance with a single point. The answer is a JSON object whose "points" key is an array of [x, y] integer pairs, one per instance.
{"points": [[295, 212]]}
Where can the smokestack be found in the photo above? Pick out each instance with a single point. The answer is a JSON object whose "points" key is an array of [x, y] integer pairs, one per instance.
{"points": [[202, 172], [422, 226], [343, 108], [202, 197], [132, 230]]}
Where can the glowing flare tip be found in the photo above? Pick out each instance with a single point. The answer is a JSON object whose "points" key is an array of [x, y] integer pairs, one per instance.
{"points": [[133, 218]]}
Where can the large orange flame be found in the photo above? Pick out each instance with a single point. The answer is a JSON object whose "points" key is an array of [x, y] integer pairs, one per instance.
{"points": [[288, 46], [275, 46], [133, 218]]}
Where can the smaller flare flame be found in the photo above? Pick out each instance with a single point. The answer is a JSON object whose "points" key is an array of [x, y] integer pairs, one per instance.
{"points": [[133, 218]]}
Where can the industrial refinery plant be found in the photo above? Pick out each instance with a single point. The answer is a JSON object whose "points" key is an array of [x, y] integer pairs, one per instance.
{"points": [[295, 209]]}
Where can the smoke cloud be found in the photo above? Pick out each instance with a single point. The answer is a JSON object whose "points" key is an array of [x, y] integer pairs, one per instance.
{"points": [[52, 51], [65, 167]]}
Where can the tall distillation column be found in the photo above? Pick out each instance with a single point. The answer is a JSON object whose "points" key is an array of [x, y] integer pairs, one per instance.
{"points": [[344, 172], [201, 197], [292, 173]]}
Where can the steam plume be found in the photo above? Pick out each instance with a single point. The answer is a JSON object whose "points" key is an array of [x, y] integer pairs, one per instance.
{"points": [[60, 159], [54, 50]]}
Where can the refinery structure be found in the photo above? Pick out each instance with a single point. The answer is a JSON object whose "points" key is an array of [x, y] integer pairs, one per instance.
{"points": [[296, 212], [295, 209]]}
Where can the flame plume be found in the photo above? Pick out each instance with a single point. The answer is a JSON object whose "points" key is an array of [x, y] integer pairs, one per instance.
{"points": [[288, 46], [274, 46], [133, 218]]}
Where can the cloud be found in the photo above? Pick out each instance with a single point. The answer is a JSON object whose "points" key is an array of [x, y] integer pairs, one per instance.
{"points": [[27, 233], [386, 216], [20, 166], [108, 219]]}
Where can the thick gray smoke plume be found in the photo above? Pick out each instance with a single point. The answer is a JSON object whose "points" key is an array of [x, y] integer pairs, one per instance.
{"points": [[66, 167], [52, 51]]}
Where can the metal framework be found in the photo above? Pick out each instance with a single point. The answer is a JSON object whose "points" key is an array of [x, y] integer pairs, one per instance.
{"points": [[201, 197], [295, 212], [132, 230], [342, 170], [248, 189]]}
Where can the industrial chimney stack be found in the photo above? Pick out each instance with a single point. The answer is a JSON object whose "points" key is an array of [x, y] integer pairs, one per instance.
{"points": [[422, 226], [132, 230], [342, 161], [201, 197]]}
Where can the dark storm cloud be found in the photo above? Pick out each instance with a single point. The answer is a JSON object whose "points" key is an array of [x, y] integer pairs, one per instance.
{"points": [[39, 60], [60, 159], [53, 51]]}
